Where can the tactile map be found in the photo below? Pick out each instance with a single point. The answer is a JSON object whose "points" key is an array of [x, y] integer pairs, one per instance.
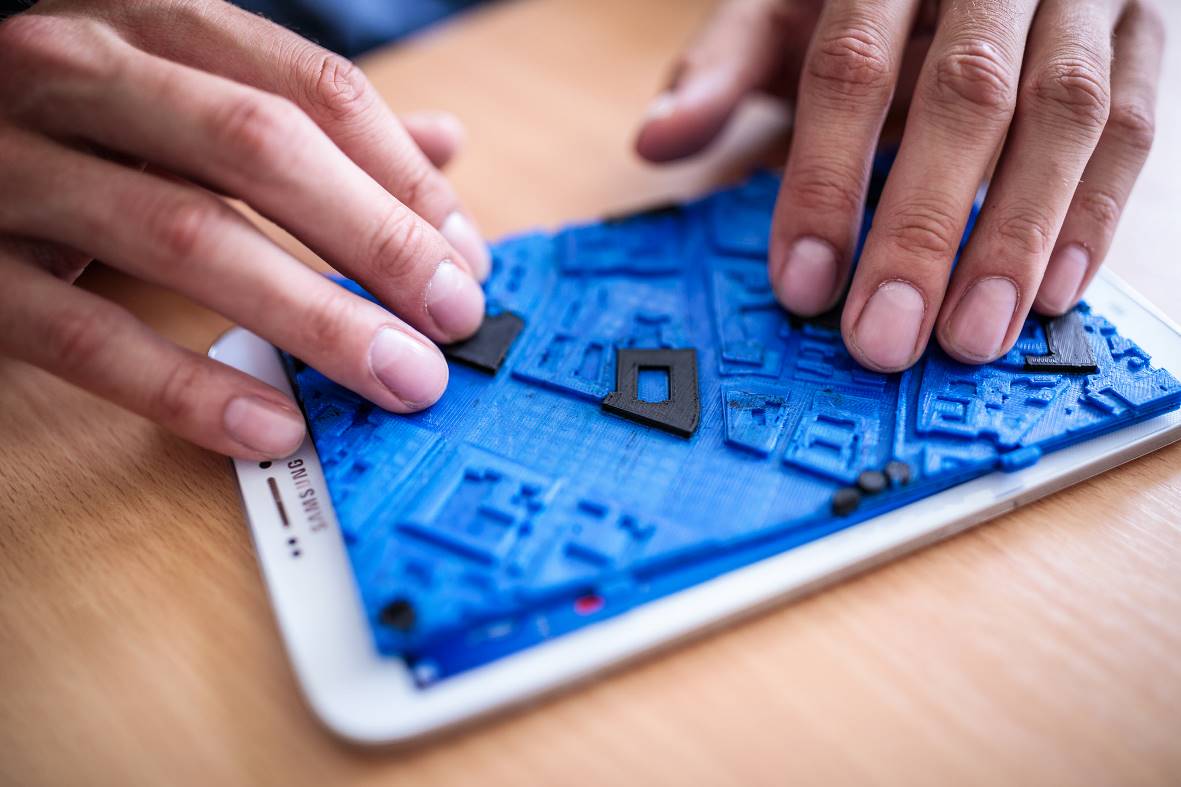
{"points": [[638, 415]]}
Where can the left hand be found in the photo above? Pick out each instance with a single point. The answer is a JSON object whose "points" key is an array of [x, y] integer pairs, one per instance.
{"points": [[1062, 90]]}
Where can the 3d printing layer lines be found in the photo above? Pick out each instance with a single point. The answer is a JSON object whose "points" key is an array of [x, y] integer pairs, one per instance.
{"points": [[642, 416]]}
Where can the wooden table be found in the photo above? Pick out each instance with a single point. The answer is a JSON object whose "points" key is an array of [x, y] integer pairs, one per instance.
{"points": [[137, 644]]}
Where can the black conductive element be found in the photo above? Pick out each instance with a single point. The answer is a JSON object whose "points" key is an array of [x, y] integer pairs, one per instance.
{"points": [[830, 319], [898, 473], [679, 413], [1070, 352], [487, 349], [872, 481], [653, 212], [398, 614], [845, 500]]}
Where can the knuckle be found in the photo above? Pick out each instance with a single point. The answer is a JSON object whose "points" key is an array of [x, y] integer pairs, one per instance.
{"points": [[40, 43], [1073, 89], [256, 129], [79, 47], [340, 88], [395, 246], [1133, 125], [827, 188], [1102, 208], [75, 337], [326, 326], [925, 229], [180, 227], [1027, 230], [975, 78], [28, 33], [854, 62], [176, 397], [415, 182]]}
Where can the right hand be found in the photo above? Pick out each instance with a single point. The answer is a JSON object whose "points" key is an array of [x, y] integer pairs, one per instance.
{"points": [[1057, 95], [116, 121]]}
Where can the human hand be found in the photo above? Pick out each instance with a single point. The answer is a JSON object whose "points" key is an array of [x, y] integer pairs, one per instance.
{"points": [[119, 120], [1062, 90]]}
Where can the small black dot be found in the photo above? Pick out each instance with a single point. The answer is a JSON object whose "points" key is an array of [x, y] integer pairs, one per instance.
{"points": [[898, 473], [845, 500], [264, 465], [872, 481], [296, 553], [398, 614], [291, 541]]}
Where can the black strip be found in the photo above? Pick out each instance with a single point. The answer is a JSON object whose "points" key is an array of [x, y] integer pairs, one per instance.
{"points": [[278, 500], [653, 212], [1070, 352]]}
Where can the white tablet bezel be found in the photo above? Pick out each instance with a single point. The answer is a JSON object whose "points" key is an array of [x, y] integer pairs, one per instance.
{"points": [[368, 698]]}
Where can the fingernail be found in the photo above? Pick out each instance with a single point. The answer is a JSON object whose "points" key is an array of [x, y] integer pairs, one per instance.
{"points": [[266, 427], [809, 276], [454, 301], [888, 328], [1063, 277], [979, 324], [463, 236], [412, 372], [662, 106]]}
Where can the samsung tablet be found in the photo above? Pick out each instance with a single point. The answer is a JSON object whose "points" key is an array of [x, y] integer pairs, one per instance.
{"points": [[563, 509]]}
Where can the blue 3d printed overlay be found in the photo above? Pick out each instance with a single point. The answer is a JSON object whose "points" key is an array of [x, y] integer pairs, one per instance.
{"points": [[577, 467]]}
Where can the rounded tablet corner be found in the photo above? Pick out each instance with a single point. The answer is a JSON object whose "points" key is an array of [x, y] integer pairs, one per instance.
{"points": [[247, 352], [372, 713], [228, 335], [350, 727]]}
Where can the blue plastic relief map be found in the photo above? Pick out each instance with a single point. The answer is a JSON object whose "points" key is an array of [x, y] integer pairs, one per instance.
{"points": [[639, 415]]}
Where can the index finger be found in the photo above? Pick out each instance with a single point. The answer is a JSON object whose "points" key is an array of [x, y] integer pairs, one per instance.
{"points": [[845, 92], [222, 39]]}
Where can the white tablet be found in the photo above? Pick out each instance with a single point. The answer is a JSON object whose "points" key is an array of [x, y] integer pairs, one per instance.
{"points": [[371, 698], [640, 443]]}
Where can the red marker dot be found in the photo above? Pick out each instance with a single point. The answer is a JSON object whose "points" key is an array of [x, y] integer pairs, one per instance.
{"points": [[588, 604]]}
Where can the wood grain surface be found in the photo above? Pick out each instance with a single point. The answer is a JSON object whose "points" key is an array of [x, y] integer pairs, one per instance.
{"points": [[137, 645]]}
